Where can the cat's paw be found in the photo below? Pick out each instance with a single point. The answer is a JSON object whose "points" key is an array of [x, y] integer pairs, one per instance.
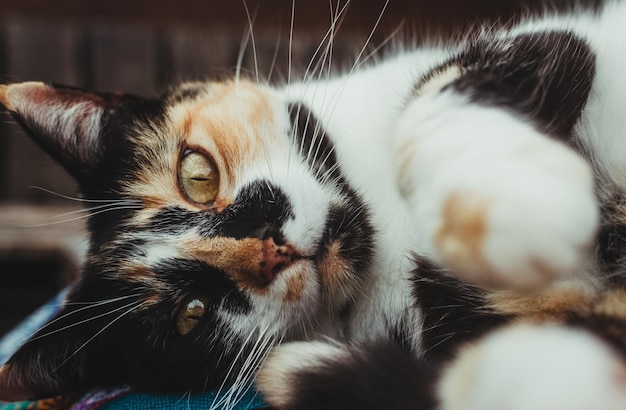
{"points": [[499, 203], [279, 379], [530, 367], [317, 375]]}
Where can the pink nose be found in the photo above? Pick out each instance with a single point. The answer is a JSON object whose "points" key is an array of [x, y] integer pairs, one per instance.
{"points": [[275, 258]]}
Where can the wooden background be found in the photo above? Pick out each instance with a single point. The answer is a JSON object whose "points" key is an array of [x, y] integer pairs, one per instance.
{"points": [[140, 47]]}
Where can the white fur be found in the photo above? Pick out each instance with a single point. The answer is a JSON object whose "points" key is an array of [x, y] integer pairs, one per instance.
{"points": [[276, 379], [536, 194], [537, 197], [531, 367]]}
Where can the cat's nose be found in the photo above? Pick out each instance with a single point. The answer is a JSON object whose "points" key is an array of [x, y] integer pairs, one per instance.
{"points": [[275, 258]]}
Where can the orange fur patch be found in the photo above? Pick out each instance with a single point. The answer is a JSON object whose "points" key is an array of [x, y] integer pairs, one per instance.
{"points": [[337, 276], [462, 233], [153, 202], [612, 304], [609, 314], [295, 287], [4, 100], [240, 259], [230, 122], [406, 155], [552, 305]]}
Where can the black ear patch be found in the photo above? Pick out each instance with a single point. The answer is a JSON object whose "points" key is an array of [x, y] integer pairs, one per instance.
{"points": [[544, 76], [66, 122]]}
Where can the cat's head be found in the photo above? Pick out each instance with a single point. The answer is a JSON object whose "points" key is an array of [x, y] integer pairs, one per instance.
{"points": [[222, 224]]}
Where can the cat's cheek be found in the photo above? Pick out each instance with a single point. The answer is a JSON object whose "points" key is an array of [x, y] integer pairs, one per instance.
{"points": [[337, 275], [294, 298], [298, 285]]}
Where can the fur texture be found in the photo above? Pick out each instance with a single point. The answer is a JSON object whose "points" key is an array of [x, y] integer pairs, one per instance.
{"points": [[442, 229]]}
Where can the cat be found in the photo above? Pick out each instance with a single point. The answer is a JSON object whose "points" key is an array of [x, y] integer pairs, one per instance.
{"points": [[441, 229]]}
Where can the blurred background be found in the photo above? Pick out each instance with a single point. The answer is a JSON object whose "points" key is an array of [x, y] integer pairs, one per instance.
{"points": [[142, 46]]}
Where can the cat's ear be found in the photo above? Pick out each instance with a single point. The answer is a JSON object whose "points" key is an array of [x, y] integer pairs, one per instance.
{"points": [[66, 122]]}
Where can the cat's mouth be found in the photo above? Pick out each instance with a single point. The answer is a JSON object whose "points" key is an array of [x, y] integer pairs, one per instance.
{"points": [[275, 258]]}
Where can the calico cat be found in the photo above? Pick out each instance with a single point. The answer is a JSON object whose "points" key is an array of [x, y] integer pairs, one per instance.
{"points": [[441, 229]]}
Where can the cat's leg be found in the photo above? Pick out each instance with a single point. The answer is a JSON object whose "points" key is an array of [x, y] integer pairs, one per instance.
{"points": [[326, 375], [519, 367], [497, 194]]}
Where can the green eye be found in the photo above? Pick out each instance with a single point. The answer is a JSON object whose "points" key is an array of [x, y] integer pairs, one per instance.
{"points": [[191, 312], [199, 178]]}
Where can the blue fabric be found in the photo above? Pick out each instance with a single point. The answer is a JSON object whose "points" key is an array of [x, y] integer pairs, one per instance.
{"points": [[139, 401], [14, 339]]}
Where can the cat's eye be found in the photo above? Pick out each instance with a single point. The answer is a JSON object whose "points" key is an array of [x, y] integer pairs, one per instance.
{"points": [[199, 178], [190, 313]]}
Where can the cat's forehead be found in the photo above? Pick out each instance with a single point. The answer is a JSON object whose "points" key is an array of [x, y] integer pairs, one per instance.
{"points": [[235, 118], [235, 123]]}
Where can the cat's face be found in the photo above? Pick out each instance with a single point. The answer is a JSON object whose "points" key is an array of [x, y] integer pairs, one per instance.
{"points": [[225, 227]]}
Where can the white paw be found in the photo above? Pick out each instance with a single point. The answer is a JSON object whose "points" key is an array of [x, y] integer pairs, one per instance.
{"points": [[496, 201], [530, 367], [278, 378]]}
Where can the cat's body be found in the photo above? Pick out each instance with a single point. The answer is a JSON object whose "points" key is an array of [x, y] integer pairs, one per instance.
{"points": [[243, 216]]}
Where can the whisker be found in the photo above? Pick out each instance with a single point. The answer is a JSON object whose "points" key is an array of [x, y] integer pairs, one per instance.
{"points": [[290, 53], [254, 54], [244, 382], [369, 38], [115, 208], [80, 322], [326, 175], [337, 18], [230, 369], [332, 107], [375, 51], [137, 305], [274, 57], [70, 197], [249, 369], [329, 32], [88, 305], [121, 202], [242, 51]]}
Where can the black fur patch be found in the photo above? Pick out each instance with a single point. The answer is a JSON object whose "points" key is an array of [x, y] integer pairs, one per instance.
{"points": [[545, 76], [368, 377], [260, 210], [104, 340], [348, 222], [350, 226], [314, 145], [453, 312], [186, 92]]}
